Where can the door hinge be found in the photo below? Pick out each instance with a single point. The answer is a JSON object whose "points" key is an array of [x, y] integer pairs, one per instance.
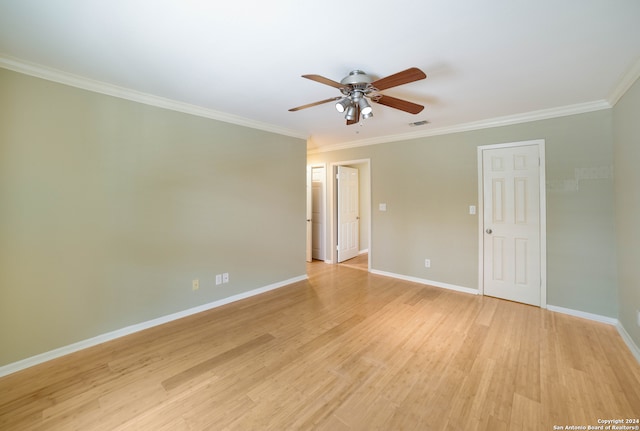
{"points": [[337, 176], [337, 248]]}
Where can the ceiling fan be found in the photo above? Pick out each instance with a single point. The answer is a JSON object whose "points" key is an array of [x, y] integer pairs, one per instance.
{"points": [[357, 87]]}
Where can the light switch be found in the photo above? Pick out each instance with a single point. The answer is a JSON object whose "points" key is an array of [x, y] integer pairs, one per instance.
{"points": [[382, 207], [472, 209]]}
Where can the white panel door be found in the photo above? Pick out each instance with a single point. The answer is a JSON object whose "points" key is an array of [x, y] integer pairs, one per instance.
{"points": [[512, 252], [348, 213]]}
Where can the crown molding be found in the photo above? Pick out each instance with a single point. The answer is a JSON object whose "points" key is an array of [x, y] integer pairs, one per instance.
{"points": [[628, 79], [61, 77], [508, 120], [50, 74]]}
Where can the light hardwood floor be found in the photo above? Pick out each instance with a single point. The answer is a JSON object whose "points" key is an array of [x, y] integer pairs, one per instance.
{"points": [[361, 261], [345, 350]]}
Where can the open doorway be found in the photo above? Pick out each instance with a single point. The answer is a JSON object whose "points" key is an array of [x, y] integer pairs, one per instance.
{"points": [[343, 213], [316, 212], [322, 212]]}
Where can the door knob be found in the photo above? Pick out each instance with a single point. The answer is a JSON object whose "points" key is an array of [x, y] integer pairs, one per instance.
{"points": [[489, 231]]}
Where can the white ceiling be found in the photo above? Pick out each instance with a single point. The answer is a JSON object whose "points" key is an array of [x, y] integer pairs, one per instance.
{"points": [[485, 60]]}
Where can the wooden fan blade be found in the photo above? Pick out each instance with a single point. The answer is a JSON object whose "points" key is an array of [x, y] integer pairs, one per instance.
{"points": [[323, 80], [314, 104], [357, 118], [404, 77], [403, 105]]}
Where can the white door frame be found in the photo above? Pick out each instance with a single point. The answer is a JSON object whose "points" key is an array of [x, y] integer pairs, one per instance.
{"points": [[543, 215], [332, 208], [308, 211], [323, 208]]}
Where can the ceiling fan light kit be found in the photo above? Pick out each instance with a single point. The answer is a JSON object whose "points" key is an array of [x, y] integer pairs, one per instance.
{"points": [[351, 113], [343, 104], [365, 108], [358, 86]]}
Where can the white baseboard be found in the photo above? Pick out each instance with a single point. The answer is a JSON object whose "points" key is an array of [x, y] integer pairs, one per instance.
{"points": [[583, 314], [428, 282], [56, 353], [366, 250], [635, 351]]}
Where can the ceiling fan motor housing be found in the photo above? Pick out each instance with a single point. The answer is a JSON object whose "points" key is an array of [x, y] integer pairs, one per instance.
{"points": [[356, 77]]}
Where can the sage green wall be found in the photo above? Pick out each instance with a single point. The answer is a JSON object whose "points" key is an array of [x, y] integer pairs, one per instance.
{"points": [[109, 208], [627, 200], [429, 183]]}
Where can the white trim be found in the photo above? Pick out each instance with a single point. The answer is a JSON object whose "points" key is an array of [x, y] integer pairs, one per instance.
{"points": [[95, 86], [427, 282], [66, 78], [543, 223], [309, 214], [543, 213], [635, 350], [583, 315], [323, 205], [480, 213], [56, 353], [625, 83], [543, 114]]}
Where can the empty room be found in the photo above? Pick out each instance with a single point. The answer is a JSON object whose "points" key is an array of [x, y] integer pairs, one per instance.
{"points": [[319, 216]]}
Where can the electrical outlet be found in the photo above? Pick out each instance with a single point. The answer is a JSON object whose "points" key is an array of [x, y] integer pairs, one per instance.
{"points": [[427, 263], [195, 284], [225, 277], [638, 317], [218, 279]]}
